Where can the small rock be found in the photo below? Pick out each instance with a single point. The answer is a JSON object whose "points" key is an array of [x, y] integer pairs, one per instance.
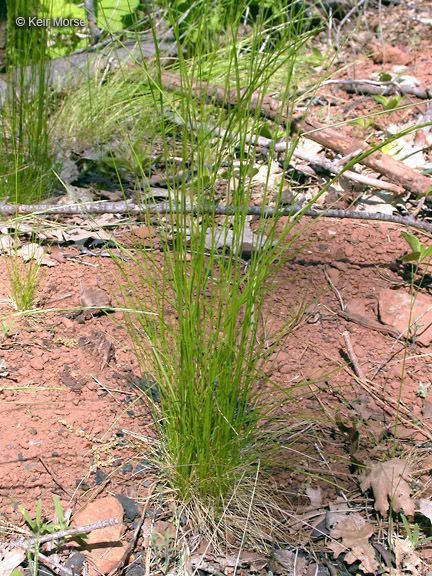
{"points": [[356, 306], [397, 307], [285, 369], [130, 508], [75, 563], [389, 54], [37, 363], [427, 409], [93, 297], [67, 323], [349, 251], [283, 357], [342, 266], [333, 274], [105, 558]]}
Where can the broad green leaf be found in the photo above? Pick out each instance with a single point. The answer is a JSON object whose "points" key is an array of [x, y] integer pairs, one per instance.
{"points": [[380, 99], [413, 241], [118, 163], [265, 131], [411, 257], [385, 77]]}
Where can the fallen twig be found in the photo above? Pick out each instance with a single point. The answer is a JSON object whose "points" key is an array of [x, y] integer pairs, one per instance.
{"points": [[29, 542], [334, 167], [54, 565], [129, 207], [352, 356], [381, 88]]}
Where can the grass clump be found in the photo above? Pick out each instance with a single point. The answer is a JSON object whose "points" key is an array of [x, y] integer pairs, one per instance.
{"points": [[208, 345], [24, 277], [27, 159]]}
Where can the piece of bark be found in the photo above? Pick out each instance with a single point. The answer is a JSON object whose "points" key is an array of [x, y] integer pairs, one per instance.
{"points": [[395, 170]]}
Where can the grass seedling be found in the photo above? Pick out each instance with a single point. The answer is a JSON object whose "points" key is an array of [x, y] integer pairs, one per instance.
{"points": [[413, 534], [24, 278], [24, 282]]}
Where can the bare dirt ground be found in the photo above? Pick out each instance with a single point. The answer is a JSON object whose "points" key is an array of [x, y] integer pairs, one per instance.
{"points": [[71, 416]]}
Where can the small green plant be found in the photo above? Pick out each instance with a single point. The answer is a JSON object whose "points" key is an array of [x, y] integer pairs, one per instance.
{"points": [[388, 103], [363, 122], [39, 526], [24, 279], [419, 252], [164, 549], [6, 327], [422, 389], [413, 534]]}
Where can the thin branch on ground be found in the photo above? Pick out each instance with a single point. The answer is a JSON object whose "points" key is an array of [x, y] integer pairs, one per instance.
{"points": [[29, 542], [283, 146], [381, 88], [129, 207], [352, 356]]}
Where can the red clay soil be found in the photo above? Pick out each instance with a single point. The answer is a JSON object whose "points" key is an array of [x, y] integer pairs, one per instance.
{"points": [[67, 408]]}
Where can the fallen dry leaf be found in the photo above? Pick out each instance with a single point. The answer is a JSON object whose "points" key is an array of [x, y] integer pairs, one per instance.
{"points": [[10, 559], [289, 562], [314, 495], [85, 232], [389, 481], [354, 533], [406, 559], [36, 252], [425, 507], [224, 239], [246, 558], [8, 243]]}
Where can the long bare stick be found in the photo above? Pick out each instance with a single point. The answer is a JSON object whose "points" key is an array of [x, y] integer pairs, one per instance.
{"points": [[131, 208]]}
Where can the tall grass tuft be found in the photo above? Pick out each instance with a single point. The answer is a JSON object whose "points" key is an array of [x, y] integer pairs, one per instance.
{"points": [[208, 345], [27, 160]]}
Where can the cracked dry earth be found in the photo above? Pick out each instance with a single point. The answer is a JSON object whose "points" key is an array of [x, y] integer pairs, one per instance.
{"points": [[68, 411]]}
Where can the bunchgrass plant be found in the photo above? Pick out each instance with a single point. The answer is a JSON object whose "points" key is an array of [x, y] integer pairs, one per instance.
{"points": [[208, 345], [27, 158]]}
